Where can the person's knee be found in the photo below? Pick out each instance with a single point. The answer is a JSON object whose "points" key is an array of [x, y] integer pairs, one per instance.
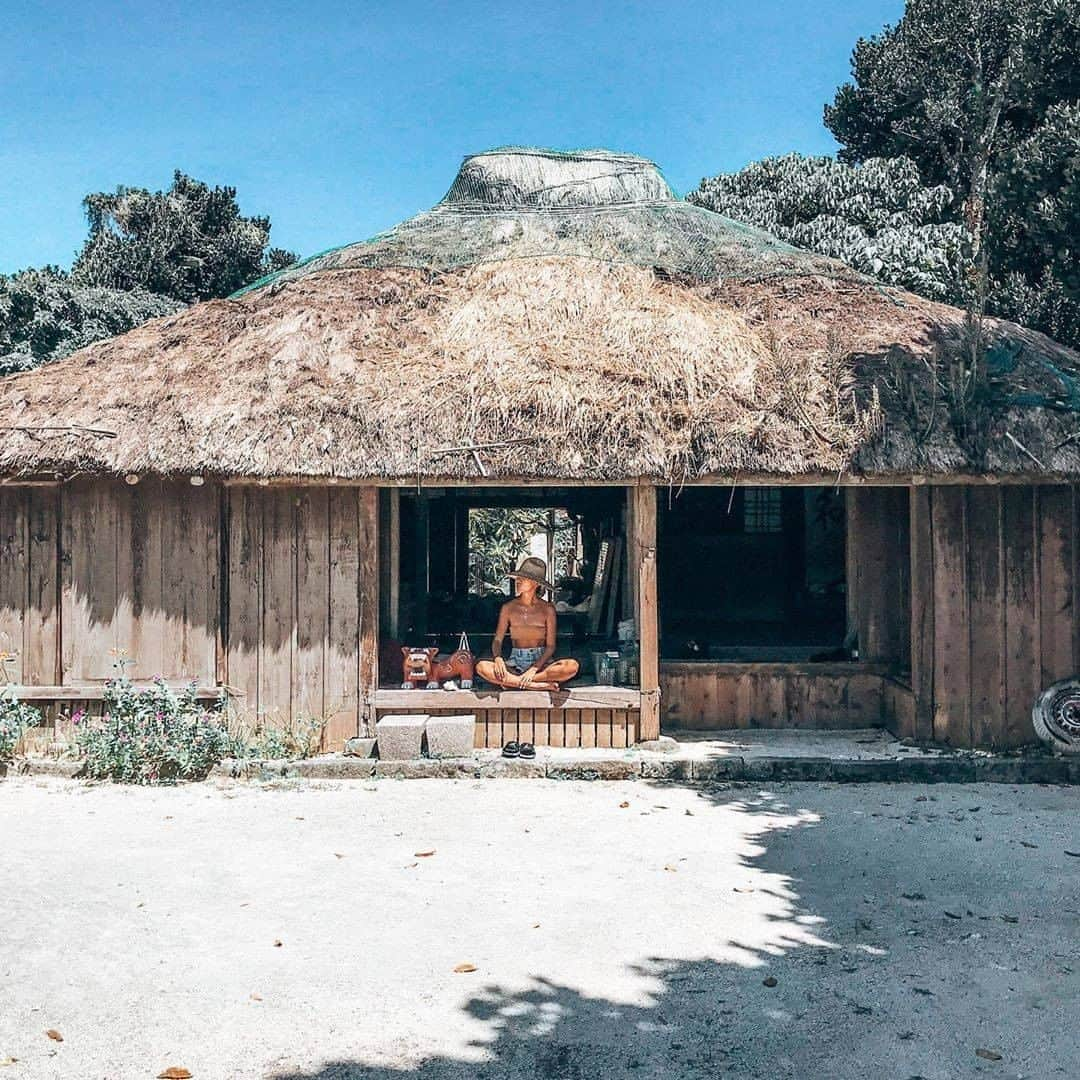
{"points": [[485, 668], [572, 666]]}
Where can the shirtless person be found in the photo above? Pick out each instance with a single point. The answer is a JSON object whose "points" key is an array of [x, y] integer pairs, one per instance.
{"points": [[531, 622]]}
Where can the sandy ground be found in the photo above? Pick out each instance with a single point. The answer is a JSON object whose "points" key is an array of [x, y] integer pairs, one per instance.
{"points": [[617, 930]]}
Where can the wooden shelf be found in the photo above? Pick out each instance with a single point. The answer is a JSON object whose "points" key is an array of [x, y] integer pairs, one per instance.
{"points": [[96, 691], [577, 697]]}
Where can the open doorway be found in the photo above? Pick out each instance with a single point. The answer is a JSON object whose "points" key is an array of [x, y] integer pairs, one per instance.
{"points": [[445, 571]]}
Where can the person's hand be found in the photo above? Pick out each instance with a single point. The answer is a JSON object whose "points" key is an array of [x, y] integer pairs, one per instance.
{"points": [[527, 677], [500, 667]]}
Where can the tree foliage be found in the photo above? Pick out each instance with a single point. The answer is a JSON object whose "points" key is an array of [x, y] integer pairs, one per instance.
{"points": [[952, 74], [44, 315], [877, 217], [983, 95], [190, 242], [148, 254]]}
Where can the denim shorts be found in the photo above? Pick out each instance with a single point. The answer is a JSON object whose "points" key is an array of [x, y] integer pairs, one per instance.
{"points": [[522, 659]]}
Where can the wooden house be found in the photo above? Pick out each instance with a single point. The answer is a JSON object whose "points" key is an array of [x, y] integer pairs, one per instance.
{"points": [[824, 502]]}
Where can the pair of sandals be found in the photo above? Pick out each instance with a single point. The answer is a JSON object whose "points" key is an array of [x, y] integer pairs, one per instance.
{"points": [[519, 750]]}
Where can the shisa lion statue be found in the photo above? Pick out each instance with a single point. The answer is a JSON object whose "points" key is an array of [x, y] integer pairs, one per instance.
{"points": [[531, 622], [422, 668], [1056, 716]]}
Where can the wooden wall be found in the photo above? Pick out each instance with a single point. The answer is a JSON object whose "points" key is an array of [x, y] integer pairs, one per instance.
{"points": [[879, 573], [272, 591], [302, 602], [995, 573], [698, 695]]}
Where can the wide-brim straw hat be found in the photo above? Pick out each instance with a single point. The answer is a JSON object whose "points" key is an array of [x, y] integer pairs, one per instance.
{"points": [[533, 569]]}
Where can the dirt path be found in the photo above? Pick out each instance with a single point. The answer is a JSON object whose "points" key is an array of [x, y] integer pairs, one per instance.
{"points": [[617, 930]]}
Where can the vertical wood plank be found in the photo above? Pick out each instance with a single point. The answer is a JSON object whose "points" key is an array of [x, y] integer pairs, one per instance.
{"points": [[342, 675], [922, 611], [986, 613], [41, 627], [14, 580], [279, 605], [1021, 604], [367, 545], [187, 520], [495, 734], [510, 725], [643, 543], [557, 727], [89, 582], [603, 729], [243, 652], [571, 733], [587, 729], [526, 727], [1057, 583], [542, 721], [620, 735], [312, 602], [952, 653]]}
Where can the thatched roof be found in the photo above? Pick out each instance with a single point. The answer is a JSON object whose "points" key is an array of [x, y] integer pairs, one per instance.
{"points": [[566, 305]]}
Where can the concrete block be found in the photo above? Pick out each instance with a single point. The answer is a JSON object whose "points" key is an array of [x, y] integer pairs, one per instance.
{"points": [[667, 769], [511, 769], [360, 746], [1022, 770], [336, 768], [866, 772], [596, 769], [721, 768], [451, 736], [426, 770], [399, 737], [665, 744]]}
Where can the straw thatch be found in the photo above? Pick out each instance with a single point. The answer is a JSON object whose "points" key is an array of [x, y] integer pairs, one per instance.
{"points": [[367, 363]]}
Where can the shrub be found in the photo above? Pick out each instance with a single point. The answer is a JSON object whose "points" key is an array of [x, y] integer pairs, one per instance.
{"points": [[153, 735], [299, 739], [15, 718]]}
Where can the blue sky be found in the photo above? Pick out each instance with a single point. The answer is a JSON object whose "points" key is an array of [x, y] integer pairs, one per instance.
{"points": [[338, 120]]}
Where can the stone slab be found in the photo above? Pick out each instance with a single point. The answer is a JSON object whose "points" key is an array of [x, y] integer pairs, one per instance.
{"points": [[361, 746], [451, 736], [667, 769], [723, 768], [596, 769], [422, 769], [511, 769], [400, 736]]}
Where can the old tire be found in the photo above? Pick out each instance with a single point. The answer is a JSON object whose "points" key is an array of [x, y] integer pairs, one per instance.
{"points": [[1056, 716]]}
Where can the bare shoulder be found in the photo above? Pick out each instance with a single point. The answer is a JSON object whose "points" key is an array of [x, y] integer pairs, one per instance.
{"points": [[548, 607]]}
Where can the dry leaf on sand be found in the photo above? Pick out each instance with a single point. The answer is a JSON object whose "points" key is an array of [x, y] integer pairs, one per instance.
{"points": [[174, 1072], [464, 969], [423, 854], [54, 1035]]}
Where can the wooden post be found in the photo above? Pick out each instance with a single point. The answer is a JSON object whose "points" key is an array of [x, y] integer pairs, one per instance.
{"points": [[389, 560], [367, 546], [643, 549]]}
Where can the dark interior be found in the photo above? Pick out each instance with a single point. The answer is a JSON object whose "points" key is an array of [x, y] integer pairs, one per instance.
{"points": [[752, 573]]}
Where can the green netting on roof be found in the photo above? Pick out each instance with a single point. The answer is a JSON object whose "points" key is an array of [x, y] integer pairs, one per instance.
{"points": [[525, 203]]}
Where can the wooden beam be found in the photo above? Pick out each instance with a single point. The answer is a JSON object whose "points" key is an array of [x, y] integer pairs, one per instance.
{"points": [[573, 697], [643, 549], [367, 545], [922, 612]]}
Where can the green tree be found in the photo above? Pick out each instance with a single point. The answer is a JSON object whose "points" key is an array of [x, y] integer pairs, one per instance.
{"points": [[877, 217], [190, 242], [973, 91], [44, 315], [1033, 234]]}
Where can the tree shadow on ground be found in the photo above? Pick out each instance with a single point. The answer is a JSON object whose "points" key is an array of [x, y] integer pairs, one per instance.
{"points": [[861, 945]]}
